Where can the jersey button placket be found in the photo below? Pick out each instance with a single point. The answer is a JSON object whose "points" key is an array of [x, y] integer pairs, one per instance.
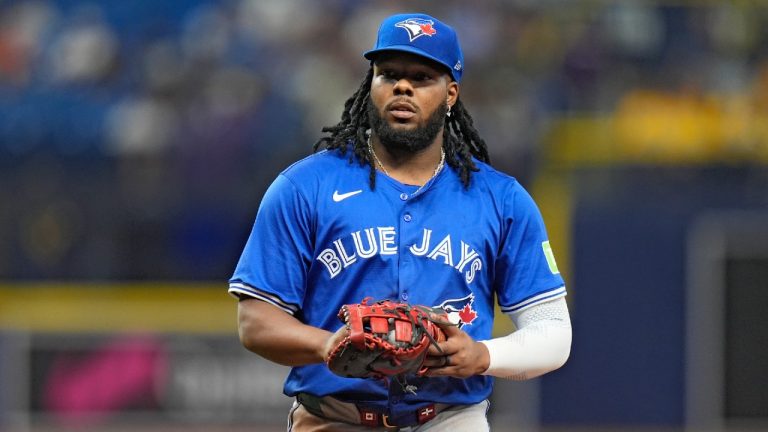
{"points": [[403, 272]]}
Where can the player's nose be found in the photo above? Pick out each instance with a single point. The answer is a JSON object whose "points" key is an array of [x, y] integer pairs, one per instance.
{"points": [[403, 87]]}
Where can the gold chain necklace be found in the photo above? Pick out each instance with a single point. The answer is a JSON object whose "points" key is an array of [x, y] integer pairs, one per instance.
{"points": [[434, 174]]}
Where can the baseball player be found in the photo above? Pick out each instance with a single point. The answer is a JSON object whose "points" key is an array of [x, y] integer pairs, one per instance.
{"points": [[399, 201]]}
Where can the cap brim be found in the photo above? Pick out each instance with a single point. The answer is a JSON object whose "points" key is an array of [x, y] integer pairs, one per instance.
{"points": [[371, 55]]}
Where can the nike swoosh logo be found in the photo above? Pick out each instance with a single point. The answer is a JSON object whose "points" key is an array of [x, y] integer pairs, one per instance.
{"points": [[341, 197]]}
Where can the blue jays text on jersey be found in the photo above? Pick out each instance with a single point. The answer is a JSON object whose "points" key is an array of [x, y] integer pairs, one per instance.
{"points": [[382, 240], [323, 238]]}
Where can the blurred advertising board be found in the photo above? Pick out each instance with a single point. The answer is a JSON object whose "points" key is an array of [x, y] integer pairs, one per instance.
{"points": [[82, 381]]}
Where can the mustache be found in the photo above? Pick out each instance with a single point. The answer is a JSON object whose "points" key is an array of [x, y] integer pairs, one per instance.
{"points": [[401, 103]]}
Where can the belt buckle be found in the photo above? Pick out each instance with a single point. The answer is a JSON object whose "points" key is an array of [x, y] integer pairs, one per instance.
{"points": [[374, 419], [386, 424]]}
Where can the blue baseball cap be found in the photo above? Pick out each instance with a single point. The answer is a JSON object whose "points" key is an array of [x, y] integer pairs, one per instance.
{"points": [[422, 35]]}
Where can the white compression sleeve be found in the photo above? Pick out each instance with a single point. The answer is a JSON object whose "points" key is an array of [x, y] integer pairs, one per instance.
{"points": [[541, 344]]}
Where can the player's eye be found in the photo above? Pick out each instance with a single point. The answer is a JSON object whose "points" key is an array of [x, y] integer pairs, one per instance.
{"points": [[388, 74], [420, 76]]}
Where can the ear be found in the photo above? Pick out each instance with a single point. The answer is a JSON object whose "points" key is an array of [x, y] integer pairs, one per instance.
{"points": [[453, 93]]}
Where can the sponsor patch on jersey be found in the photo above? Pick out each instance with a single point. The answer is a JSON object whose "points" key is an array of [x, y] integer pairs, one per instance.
{"points": [[417, 27], [460, 310], [550, 257]]}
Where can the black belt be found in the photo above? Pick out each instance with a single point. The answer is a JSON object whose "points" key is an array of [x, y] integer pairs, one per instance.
{"points": [[333, 409]]}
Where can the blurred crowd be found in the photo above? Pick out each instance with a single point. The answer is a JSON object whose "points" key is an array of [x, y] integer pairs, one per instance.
{"points": [[136, 137]]}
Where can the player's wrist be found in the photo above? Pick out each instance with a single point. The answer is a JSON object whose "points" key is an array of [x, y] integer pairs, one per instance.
{"points": [[491, 348], [484, 358], [329, 343]]}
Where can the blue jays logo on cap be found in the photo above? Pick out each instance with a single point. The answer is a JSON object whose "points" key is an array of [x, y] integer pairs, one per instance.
{"points": [[417, 27], [422, 35]]}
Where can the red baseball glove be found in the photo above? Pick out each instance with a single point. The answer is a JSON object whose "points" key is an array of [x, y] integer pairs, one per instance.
{"points": [[386, 339]]}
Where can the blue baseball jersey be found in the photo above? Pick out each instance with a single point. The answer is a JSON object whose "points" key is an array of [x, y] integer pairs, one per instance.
{"points": [[322, 238]]}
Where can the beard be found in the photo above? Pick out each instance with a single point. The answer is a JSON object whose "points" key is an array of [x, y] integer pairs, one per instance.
{"points": [[411, 141]]}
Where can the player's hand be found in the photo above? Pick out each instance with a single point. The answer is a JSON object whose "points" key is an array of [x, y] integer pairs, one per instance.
{"points": [[462, 356], [334, 340]]}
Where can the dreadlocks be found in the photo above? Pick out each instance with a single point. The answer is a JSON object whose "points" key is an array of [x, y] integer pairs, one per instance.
{"points": [[460, 138]]}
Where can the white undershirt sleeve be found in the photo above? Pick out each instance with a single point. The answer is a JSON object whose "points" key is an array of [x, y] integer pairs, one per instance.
{"points": [[541, 344]]}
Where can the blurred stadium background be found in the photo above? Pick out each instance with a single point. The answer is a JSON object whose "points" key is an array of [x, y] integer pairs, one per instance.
{"points": [[137, 137]]}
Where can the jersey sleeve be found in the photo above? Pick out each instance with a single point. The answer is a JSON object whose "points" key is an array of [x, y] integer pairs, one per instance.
{"points": [[275, 260], [526, 272]]}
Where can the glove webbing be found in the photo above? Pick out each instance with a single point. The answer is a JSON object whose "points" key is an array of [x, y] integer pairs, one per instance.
{"points": [[406, 310], [423, 314]]}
